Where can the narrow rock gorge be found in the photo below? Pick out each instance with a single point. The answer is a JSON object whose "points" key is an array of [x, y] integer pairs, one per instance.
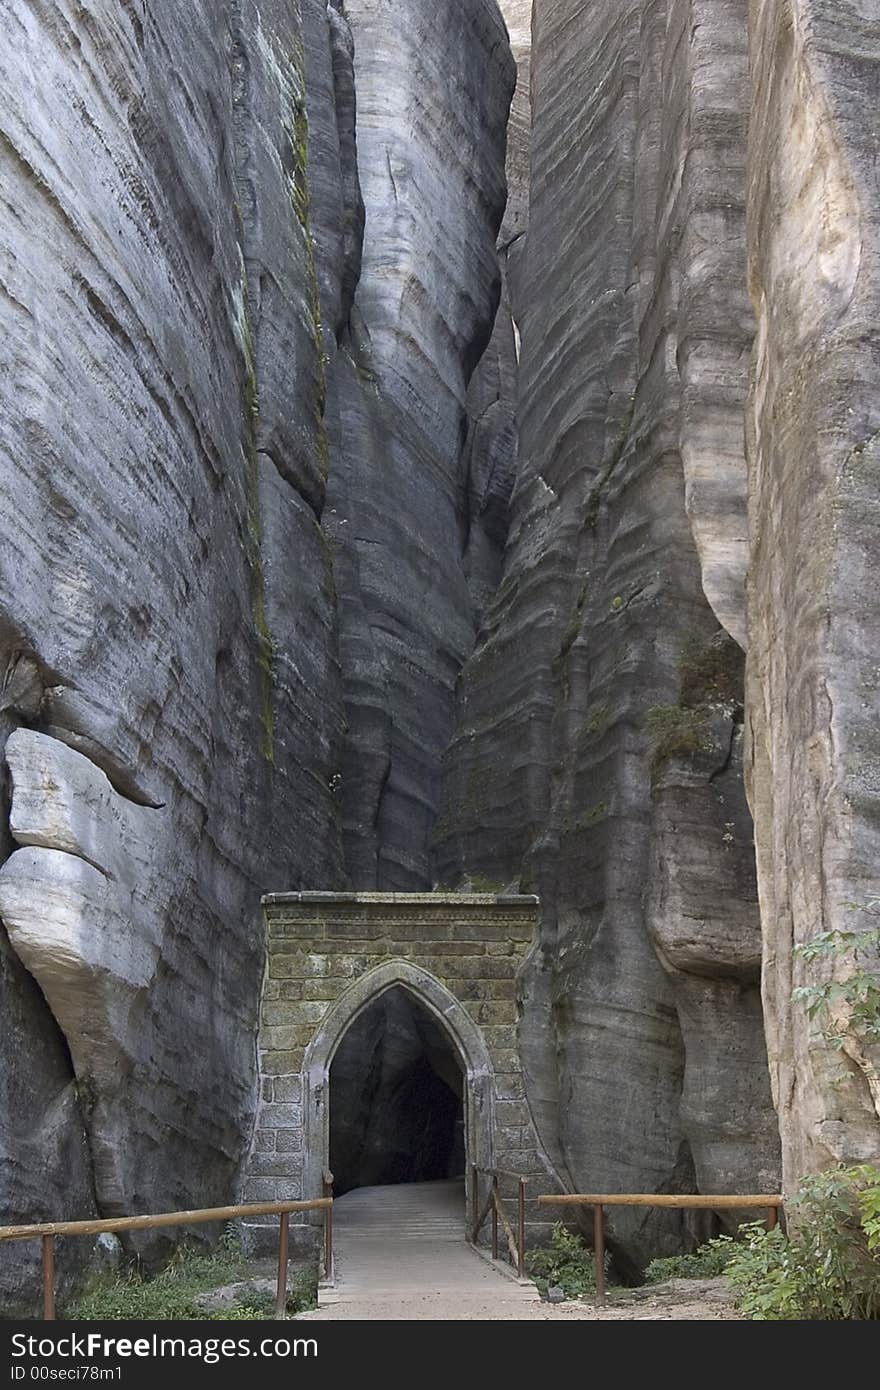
{"points": [[598, 753], [438, 447]]}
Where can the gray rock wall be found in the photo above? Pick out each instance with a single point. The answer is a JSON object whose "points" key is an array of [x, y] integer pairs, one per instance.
{"points": [[491, 447], [814, 453], [411, 306], [600, 719], [355, 527], [166, 605], [210, 298]]}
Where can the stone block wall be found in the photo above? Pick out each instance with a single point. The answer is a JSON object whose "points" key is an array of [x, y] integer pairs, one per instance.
{"points": [[329, 955]]}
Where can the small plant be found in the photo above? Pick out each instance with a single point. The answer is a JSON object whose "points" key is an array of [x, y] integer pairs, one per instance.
{"points": [[849, 1005], [829, 1268], [857, 996], [676, 731], [481, 883], [708, 1262], [566, 1262]]}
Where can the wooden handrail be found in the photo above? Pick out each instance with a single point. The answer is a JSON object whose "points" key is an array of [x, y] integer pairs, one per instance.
{"points": [[167, 1218], [494, 1204], [658, 1199], [503, 1173], [508, 1229], [481, 1220], [681, 1200], [46, 1231]]}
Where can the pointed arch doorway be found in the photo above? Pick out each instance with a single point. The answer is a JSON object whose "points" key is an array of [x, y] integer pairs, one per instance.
{"points": [[448, 1032], [454, 958]]}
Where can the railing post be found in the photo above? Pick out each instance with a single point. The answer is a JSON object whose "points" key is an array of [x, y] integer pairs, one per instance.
{"points": [[772, 1218], [281, 1292], [475, 1199], [521, 1230], [328, 1229], [494, 1216], [48, 1278], [599, 1251]]}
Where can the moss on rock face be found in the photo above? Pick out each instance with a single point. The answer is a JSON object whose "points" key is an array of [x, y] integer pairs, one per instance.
{"points": [[710, 680], [677, 731], [299, 140], [711, 672]]}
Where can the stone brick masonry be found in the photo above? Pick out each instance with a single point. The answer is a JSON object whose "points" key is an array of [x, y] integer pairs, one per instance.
{"points": [[328, 956]]}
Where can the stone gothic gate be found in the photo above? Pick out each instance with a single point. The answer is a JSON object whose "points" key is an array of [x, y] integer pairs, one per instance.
{"points": [[329, 956]]}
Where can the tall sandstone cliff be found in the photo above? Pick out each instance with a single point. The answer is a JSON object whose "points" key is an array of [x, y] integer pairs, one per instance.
{"points": [[213, 293], [703, 205], [598, 755], [435, 453], [813, 428]]}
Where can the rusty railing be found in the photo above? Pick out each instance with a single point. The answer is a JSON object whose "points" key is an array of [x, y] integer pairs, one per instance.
{"points": [[599, 1200], [48, 1230], [327, 1179], [494, 1206]]}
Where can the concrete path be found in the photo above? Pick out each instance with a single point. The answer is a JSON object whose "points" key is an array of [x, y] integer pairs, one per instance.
{"points": [[400, 1253]]}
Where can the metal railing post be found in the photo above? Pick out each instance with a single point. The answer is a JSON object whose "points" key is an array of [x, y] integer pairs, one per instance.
{"points": [[281, 1293], [521, 1230], [48, 1278], [494, 1216], [599, 1251], [328, 1228]]}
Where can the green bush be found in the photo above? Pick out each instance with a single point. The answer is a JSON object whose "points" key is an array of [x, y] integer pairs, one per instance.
{"points": [[172, 1293], [708, 1262], [829, 1268], [566, 1262]]}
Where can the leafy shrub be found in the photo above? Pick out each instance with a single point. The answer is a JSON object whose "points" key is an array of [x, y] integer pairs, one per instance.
{"points": [[708, 1262], [566, 1262], [172, 1293], [850, 1006], [829, 1268]]}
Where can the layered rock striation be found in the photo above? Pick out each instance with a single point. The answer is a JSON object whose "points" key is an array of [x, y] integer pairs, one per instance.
{"points": [[598, 754], [211, 296], [409, 293], [375, 511], [814, 452]]}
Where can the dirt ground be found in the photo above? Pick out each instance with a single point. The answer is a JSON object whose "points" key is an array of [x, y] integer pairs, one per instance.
{"points": [[687, 1300]]}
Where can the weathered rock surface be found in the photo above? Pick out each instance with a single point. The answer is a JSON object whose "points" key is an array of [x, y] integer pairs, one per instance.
{"points": [[195, 324], [814, 465], [411, 312], [490, 454], [166, 606], [595, 675], [317, 464]]}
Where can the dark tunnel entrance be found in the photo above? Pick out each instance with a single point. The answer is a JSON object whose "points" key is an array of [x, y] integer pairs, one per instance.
{"points": [[396, 1098]]}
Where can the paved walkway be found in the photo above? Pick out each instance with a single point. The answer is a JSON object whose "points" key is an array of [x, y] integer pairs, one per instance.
{"points": [[400, 1253]]}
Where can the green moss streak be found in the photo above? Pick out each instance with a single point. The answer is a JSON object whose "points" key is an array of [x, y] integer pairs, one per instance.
{"points": [[254, 542]]}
